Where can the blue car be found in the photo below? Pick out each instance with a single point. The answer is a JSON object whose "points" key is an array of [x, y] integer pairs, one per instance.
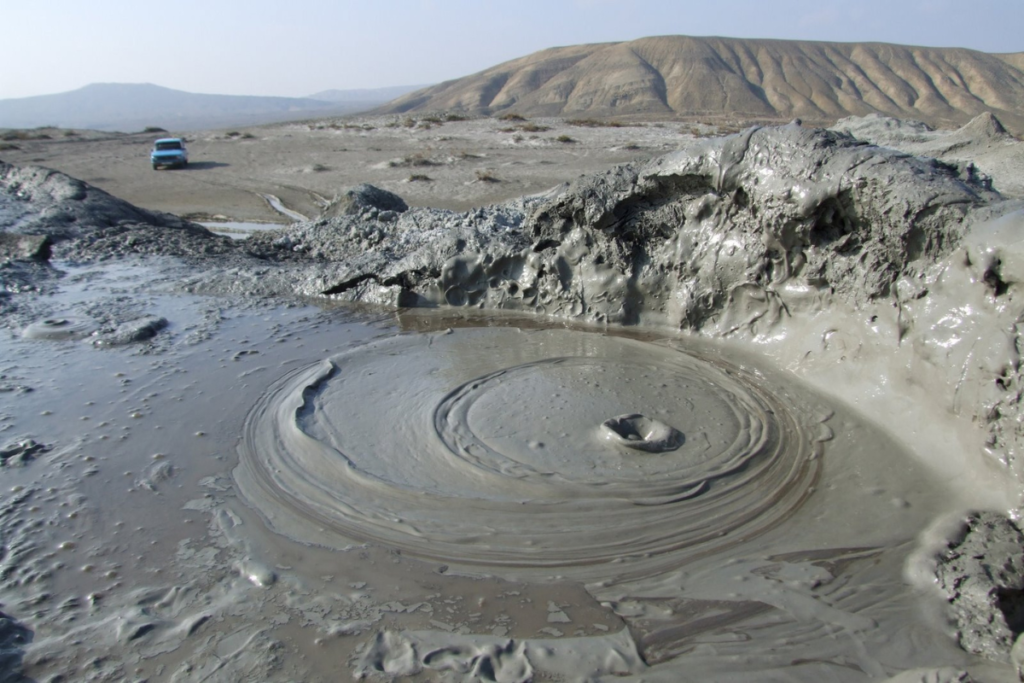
{"points": [[169, 152]]}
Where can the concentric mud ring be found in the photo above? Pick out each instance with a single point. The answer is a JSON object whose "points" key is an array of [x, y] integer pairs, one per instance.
{"points": [[489, 447], [59, 327]]}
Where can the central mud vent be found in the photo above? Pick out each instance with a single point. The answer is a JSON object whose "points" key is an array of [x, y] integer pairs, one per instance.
{"points": [[642, 433], [492, 447]]}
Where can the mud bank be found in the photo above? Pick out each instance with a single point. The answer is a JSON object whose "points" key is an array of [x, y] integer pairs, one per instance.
{"points": [[825, 367]]}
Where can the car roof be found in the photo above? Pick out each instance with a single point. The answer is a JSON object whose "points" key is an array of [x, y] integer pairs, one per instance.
{"points": [[168, 140]]}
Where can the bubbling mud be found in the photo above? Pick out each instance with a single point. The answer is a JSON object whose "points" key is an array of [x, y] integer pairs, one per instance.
{"points": [[642, 433], [488, 447]]}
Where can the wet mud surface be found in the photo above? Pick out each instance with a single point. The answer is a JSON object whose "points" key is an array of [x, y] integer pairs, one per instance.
{"points": [[494, 454], [440, 487], [732, 426]]}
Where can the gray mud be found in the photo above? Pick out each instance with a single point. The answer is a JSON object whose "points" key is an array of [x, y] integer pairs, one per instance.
{"points": [[980, 146], [493, 457], [815, 339]]}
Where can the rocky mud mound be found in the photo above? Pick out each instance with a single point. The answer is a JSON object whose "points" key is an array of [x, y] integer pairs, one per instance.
{"points": [[707, 237], [366, 201], [982, 143], [82, 221], [981, 131]]}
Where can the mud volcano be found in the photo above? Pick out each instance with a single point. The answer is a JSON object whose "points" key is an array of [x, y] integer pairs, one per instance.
{"points": [[728, 430], [59, 328]]}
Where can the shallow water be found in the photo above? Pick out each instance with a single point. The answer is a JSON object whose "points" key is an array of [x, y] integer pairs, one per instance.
{"points": [[239, 230], [277, 205], [422, 491]]}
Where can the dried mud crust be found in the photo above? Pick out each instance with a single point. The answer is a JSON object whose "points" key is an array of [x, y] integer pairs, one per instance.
{"points": [[305, 165], [981, 573]]}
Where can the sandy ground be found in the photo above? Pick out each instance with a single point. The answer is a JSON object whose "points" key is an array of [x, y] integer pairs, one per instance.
{"points": [[167, 512]]}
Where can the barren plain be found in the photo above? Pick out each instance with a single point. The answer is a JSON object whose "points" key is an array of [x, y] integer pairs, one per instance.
{"points": [[429, 162]]}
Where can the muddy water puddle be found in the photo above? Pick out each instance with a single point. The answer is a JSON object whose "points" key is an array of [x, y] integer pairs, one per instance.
{"points": [[239, 230], [266, 492]]}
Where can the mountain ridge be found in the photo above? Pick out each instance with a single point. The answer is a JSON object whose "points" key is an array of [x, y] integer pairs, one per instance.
{"points": [[133, 106]]}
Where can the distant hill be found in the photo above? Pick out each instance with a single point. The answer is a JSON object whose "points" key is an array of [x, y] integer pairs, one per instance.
{"points": [[370, 96], [680, 76], [133, 106]]}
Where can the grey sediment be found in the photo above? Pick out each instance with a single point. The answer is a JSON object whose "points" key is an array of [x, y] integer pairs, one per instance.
{"points": [[885, 282]]}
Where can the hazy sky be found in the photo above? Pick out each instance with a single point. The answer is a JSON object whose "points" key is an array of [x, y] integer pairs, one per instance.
{"points": [[298, 47]]}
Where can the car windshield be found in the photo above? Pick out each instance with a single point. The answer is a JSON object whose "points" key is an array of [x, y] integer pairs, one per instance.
{"points": [[160, 146]]}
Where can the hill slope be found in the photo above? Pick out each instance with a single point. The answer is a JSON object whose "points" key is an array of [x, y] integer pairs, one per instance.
{"points": [[365, 96], [680, 76], [133, 106]]}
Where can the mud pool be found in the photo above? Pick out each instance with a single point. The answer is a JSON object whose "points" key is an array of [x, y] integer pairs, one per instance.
{"points": [[281, 492], [483, 448]]}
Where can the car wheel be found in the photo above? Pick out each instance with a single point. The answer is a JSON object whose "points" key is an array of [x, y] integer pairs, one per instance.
{"points": [[155, 167]]}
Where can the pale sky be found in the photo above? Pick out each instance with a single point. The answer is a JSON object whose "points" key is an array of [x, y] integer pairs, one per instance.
{"points": [[298, 47]]}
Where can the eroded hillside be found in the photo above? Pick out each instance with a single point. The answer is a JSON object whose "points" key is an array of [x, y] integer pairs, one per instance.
{"points": [[731, 77]]}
